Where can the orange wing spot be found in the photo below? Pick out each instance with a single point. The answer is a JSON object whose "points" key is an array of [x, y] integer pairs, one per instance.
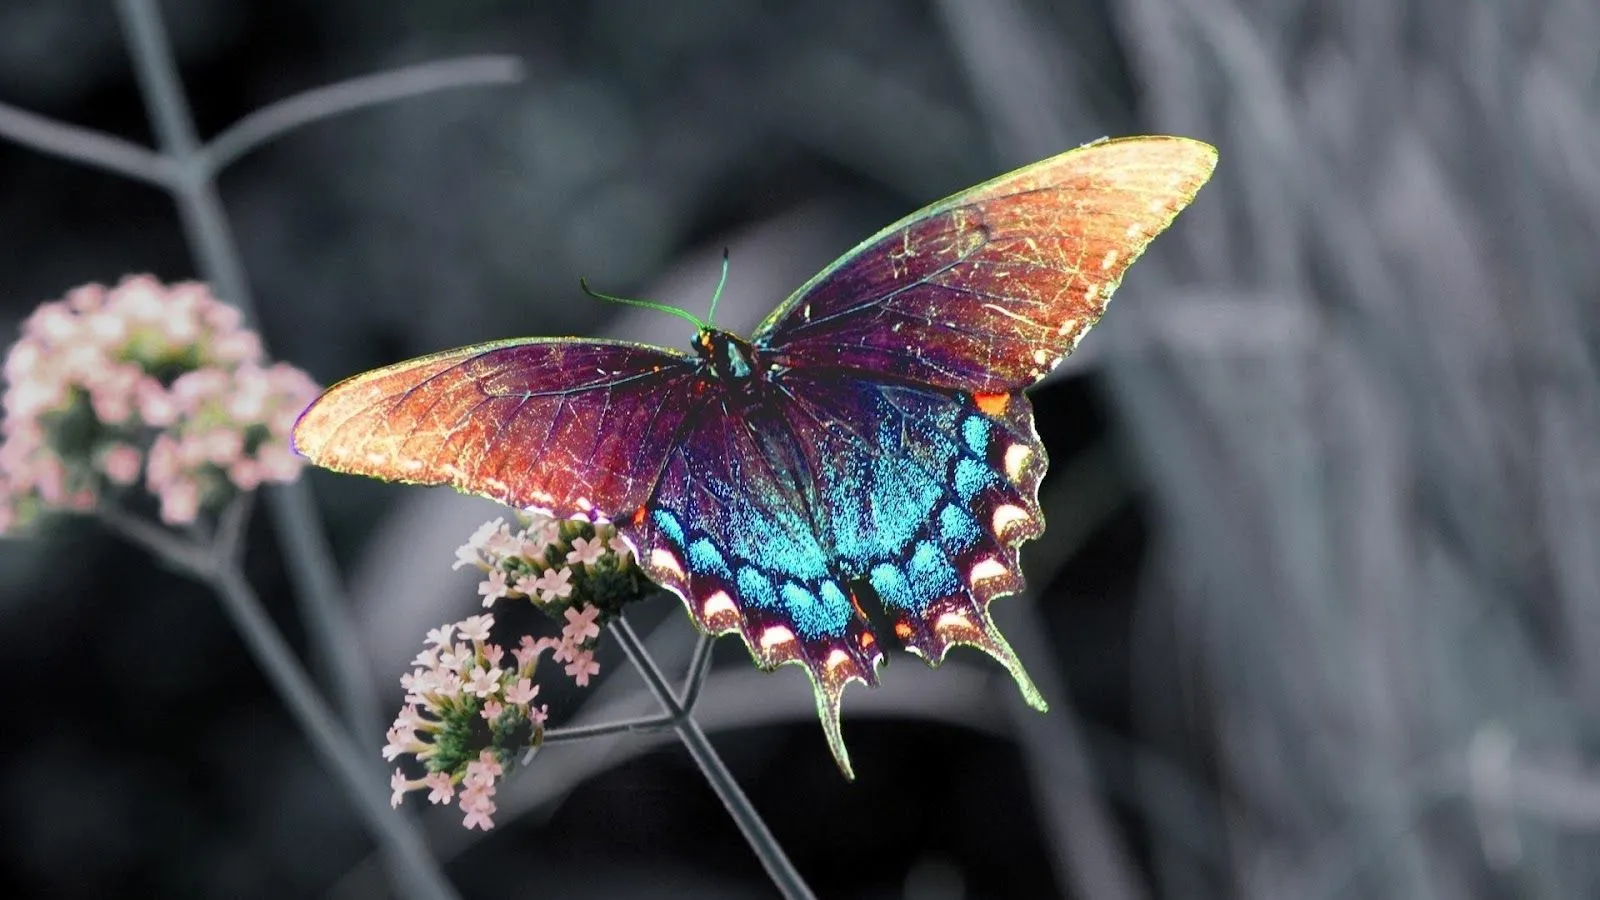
{"points": [[992, 404], [638, 516], [902, 631], [867, 640]]}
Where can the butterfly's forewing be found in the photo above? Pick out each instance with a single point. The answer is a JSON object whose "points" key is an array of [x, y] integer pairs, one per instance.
{"points": [[988, 290], [577, 428]]}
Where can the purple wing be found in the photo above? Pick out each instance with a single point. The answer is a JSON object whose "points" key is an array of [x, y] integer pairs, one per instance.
{"points": [[576, 428], [986, 291]]}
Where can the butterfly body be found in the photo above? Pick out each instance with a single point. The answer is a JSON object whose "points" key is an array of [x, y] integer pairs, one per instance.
{"points": [[870, 439]]}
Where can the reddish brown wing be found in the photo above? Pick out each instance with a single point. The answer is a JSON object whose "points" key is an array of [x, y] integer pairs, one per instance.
{"points": [[988, 290], [575, 428]]}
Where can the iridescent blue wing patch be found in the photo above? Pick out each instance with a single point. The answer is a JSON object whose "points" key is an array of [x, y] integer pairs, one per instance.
{"points": [[729, 531], [924, 494]]}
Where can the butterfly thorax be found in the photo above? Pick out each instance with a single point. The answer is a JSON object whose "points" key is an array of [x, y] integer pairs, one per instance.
{"points": [[726, 356]]}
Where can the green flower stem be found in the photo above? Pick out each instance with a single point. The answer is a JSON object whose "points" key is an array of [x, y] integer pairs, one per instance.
{"points": [[417, 874], [779, 869]]}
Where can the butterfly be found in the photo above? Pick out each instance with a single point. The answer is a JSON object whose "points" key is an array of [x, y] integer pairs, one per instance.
{"points": [[870, 438]]}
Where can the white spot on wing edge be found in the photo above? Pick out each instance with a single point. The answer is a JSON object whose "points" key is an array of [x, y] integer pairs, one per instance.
{"points": [[835, 659], [663, 559], [774, 636], [719, 603], [987, 568], [1006, 515], [1109, 260], [1017, 456]]}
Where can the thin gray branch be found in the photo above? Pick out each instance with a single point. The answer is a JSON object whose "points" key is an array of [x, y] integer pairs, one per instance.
{"points": [[269, 122], [83, 145], [640, 725], [699, 666], [782, 872]]}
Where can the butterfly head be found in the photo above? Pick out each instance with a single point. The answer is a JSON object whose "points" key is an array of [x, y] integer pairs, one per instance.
{"points": [[726, 356]]}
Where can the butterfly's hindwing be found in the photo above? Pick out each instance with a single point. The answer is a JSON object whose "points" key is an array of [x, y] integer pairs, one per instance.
{"points": [[728, 531], [927, 495]]}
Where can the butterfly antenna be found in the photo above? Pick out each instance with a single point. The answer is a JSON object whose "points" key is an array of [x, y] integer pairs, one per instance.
{"points": [[659, 307], [717, 295]]}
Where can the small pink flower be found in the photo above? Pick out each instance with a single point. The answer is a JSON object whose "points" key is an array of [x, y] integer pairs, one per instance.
{"points": [[441, 636], [221, 446], [619, 546], [522, 693], [398, 785], [245, 474], [530, 547], [476, 628], [493, 588], [440, 788], [455, 657], [180, 502], [562, 651], [527, 651], [121, 463], [483, 683], [480, 538], [492, 710], [586, 551], [554, 584], [156, 406], [410, 717], [581, 625], [528, 584], [501, 544], [478, 809], [493, 653], [582, 666], [538, 714], [542, 531], [399, 741], [467, 555], [486, 766]]}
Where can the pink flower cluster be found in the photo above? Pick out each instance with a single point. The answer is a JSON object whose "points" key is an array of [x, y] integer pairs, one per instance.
{"points": [[567, 568], [142, 378], [469, 709], [465, 691]]}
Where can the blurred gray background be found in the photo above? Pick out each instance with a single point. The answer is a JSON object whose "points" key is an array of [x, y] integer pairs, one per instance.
{"points": [[1319, 607]]}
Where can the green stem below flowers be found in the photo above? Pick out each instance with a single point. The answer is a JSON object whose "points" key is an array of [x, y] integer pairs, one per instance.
{"points": [[779, 868]]}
